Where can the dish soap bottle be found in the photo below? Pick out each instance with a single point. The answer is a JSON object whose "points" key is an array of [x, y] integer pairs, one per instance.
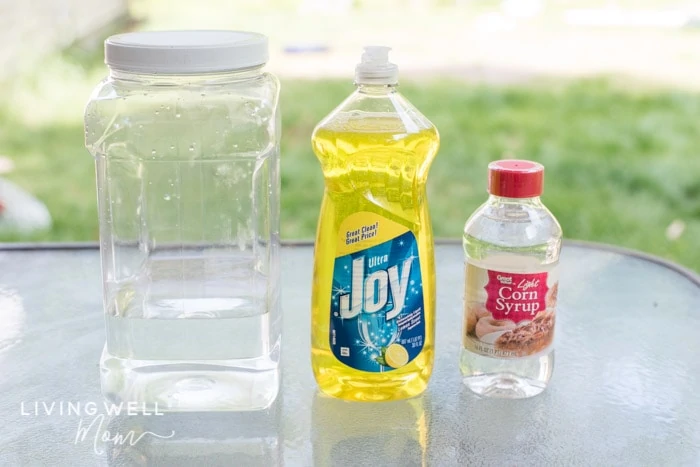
{"points": [[512, 246], [373, 298]]}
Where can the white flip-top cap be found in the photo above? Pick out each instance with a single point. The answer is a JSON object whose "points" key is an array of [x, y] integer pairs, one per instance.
{"points": [[182, 52], [375, 68]]}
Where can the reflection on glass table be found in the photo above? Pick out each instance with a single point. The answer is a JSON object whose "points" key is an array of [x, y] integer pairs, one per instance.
{"points": [[390, 433], [190, 438]]}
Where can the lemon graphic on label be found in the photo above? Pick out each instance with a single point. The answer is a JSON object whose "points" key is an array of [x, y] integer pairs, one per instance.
{"points": [[396, 356]]}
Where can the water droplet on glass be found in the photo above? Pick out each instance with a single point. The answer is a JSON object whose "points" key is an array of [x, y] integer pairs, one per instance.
{"points": [[156, 112], [192, 148], [166, 197], [177, 115], [153, 153], [140, 126]]}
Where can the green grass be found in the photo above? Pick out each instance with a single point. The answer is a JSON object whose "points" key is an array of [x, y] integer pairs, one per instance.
{"points": [[622, 161]]}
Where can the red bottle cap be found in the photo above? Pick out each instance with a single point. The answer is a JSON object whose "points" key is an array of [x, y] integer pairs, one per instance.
{"points": [[516, 178]]}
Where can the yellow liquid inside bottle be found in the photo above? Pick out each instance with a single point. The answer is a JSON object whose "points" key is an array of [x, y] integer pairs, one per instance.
{"points": [[372, 165]]}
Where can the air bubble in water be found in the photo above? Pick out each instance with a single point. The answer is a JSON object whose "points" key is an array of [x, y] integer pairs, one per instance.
{"points": [[191, 147], [177, 115], [166, 197], [153, 152]]}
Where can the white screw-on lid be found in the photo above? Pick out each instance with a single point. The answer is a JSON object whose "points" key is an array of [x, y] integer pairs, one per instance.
{"points": [[375, 68], [182, 52]]}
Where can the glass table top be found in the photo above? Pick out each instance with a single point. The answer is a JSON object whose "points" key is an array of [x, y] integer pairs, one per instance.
{"points": [[624, 390]]}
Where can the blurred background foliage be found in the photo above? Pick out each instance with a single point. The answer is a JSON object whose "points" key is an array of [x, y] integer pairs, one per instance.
{"points": [[605, 95]]}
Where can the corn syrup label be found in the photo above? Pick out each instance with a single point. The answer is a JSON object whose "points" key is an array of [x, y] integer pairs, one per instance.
{"points": [[377, 319], [507, 314]]}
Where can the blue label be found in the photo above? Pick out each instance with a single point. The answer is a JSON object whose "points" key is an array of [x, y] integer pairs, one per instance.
{"points": [[377, 318]]}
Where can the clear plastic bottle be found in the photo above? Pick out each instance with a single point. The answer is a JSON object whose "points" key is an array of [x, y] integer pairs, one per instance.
{"points": [[373, 298], [512, 246], [185, 135]]}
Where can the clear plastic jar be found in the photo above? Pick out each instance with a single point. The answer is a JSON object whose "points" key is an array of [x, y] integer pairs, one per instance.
{"points": [[185, 134]]}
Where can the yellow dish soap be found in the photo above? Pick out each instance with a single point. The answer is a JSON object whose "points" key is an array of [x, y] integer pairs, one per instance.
{"points": [[373, 298]]}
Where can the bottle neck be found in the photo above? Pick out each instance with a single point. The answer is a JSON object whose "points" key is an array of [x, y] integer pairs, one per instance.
{"points": [[376, 89], [505, 202], [150, 79]]}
